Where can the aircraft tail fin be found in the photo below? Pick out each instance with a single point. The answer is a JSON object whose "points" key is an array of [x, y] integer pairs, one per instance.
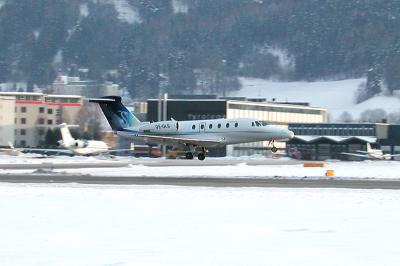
{"points": [[66, 134], [118, 116], [369, 148], [11, 145]]}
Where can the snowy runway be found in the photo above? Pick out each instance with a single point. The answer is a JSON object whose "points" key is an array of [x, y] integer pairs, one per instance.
{"points": [[162, 225]]}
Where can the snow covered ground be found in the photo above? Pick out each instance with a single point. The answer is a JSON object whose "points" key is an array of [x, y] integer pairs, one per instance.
{"points": [[160, 225], [366, 169], [336, 96], [273, 168]]}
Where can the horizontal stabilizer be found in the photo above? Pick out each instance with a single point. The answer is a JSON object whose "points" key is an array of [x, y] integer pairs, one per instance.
{"points": [[102, 100]]}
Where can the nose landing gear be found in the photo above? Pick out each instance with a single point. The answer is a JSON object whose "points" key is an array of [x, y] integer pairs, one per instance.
{"points": [[273, 149]]}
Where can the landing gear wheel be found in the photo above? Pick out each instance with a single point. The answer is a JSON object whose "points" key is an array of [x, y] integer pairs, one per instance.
{"points": [[189, 155], [201, 156], [274, 149]]}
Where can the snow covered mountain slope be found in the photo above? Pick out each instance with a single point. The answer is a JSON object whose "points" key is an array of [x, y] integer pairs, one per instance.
{"points": [[336, 96]]}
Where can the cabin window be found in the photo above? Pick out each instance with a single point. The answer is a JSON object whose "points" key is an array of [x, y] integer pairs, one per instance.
{"points": [[210, 126], [194, 127], [236, 124], [227, 125], [219, 125], [202, 126]]}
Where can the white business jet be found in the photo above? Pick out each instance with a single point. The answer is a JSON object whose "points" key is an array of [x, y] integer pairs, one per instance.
{"points": [[194, 136], [371, 154], [77, 146], [10, 150]]}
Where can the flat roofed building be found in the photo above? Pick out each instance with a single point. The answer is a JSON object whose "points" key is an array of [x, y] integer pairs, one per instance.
{"points": [[7, 117], [275, 113], [86, 88], [35, 113], [321, 141]]}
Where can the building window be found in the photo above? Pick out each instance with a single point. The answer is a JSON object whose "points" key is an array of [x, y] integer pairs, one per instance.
{"points": [[41, 121], [219, 125], [41, 110], [227, 125], [23, 121], [210, 126], [23, 132], [194, 127], [23, 109], [23, 143], [50, 122], [236, 124], [50, 111]]}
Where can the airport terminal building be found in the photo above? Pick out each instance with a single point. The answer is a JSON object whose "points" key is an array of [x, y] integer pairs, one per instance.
{"points": [[211, 107]]}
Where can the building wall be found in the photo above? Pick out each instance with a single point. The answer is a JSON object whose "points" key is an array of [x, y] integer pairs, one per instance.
{"points": [[90, 89], [35, 113], [7, 117]]}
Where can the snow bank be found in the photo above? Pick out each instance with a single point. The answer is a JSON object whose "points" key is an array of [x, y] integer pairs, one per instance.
{"points": [[275, 169], [343, 170]]}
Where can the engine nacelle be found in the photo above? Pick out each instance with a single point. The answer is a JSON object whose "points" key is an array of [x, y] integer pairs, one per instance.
{"points": [[80, 144]]}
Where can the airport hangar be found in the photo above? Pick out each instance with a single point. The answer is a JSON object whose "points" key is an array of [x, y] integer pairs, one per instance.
{"points": [[196, 107]]}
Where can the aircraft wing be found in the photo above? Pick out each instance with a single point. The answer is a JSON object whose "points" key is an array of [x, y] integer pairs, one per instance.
{"points": [[392, 155], [356, 154], [112, 151], [179, 140], [58, 151]]}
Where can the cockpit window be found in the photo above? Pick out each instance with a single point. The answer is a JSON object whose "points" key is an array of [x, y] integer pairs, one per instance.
{"points": [[260, 123], [252, 124]]}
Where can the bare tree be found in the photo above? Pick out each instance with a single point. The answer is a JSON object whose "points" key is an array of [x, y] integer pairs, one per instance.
{"points": [[89, 121]]}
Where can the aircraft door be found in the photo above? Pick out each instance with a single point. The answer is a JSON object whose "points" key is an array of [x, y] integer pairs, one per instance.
{"points": [[202, 127]]}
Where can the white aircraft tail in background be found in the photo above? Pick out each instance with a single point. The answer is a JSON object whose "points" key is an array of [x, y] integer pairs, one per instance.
{"points": [[78, 146]]}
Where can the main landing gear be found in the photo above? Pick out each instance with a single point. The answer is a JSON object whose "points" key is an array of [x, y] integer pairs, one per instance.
{"points": [[189, 155], [201, 155]]}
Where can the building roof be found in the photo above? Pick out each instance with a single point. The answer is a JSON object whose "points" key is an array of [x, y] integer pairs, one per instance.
{"points": [[337, 139]]}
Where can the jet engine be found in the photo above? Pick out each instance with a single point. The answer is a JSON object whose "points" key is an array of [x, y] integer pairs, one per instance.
{"points": [[80, 144]]}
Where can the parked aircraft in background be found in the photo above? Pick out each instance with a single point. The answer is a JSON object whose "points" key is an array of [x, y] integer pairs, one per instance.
{"points": [[10, 150], [372, 154], [194, 136], [77, 146]]}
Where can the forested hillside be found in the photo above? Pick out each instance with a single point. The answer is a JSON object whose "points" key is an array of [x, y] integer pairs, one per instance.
{"points": [[182, 46]]}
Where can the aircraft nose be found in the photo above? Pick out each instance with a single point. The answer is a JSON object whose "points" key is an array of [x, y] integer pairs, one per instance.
{"points": [[290, 134]]}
